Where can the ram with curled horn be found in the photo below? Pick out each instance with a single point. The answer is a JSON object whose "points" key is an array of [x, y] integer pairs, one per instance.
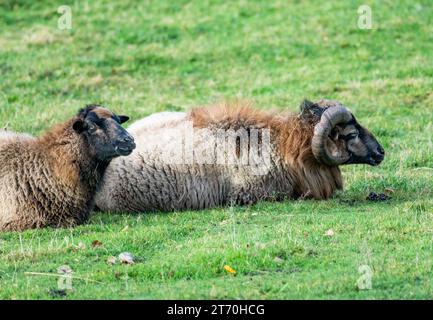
{"points": [[304, 153]]}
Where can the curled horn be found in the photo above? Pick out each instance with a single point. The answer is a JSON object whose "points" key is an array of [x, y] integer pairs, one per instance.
{"points": [[330, 118]]}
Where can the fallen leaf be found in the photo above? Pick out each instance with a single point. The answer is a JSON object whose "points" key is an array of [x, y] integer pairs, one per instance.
{"points": [[126, 258], [329, 233], [278, 260], [65, 269], [111, 260], [213, 292], [81, 246], [389, 191], [229, 269], [260, 245], [96, 243]]}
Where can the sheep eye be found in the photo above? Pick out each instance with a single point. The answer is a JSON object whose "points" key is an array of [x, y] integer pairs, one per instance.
{"points": [[92, 128], [352, 135]]}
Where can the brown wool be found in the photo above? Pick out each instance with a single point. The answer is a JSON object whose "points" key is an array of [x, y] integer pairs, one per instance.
{"points": [[46, 181]]}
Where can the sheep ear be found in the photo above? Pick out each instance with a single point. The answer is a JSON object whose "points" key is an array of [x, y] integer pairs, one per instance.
{"points": [[309, 108], [123, 119], [335, 133], [79, 125], [306, 104]]}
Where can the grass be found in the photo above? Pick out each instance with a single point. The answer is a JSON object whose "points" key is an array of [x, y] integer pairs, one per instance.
{"points": [[143, 57]]}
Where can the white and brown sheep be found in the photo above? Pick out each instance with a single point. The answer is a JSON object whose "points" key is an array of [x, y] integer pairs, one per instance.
{"points": [[52, 180], [216, 156]]}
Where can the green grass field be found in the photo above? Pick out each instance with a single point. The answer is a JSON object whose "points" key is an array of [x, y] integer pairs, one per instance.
{"points": [[140, 57]]}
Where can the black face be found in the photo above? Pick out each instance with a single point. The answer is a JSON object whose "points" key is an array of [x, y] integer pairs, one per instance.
{"points": [[359, 143], [348, 140], [104, 132]]}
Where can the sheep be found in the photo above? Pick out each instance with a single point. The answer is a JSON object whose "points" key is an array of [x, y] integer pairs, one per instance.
{"points": [[52, 180], [234, 154]]}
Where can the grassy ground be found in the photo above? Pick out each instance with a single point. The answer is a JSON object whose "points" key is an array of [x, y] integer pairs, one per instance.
{"points": [[139, 57]]}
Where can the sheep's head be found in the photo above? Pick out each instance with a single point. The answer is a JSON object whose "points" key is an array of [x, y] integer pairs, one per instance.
{"points": [[338, 138], [103, 131]]}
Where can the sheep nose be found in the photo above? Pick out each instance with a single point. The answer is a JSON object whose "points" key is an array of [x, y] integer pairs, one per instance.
{"points": [[379, 155], [380, 150], [125, 144], [127, 140]]}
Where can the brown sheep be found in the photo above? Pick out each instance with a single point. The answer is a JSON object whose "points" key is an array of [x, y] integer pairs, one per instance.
{"points": [[52, 180], [178, 163]]}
